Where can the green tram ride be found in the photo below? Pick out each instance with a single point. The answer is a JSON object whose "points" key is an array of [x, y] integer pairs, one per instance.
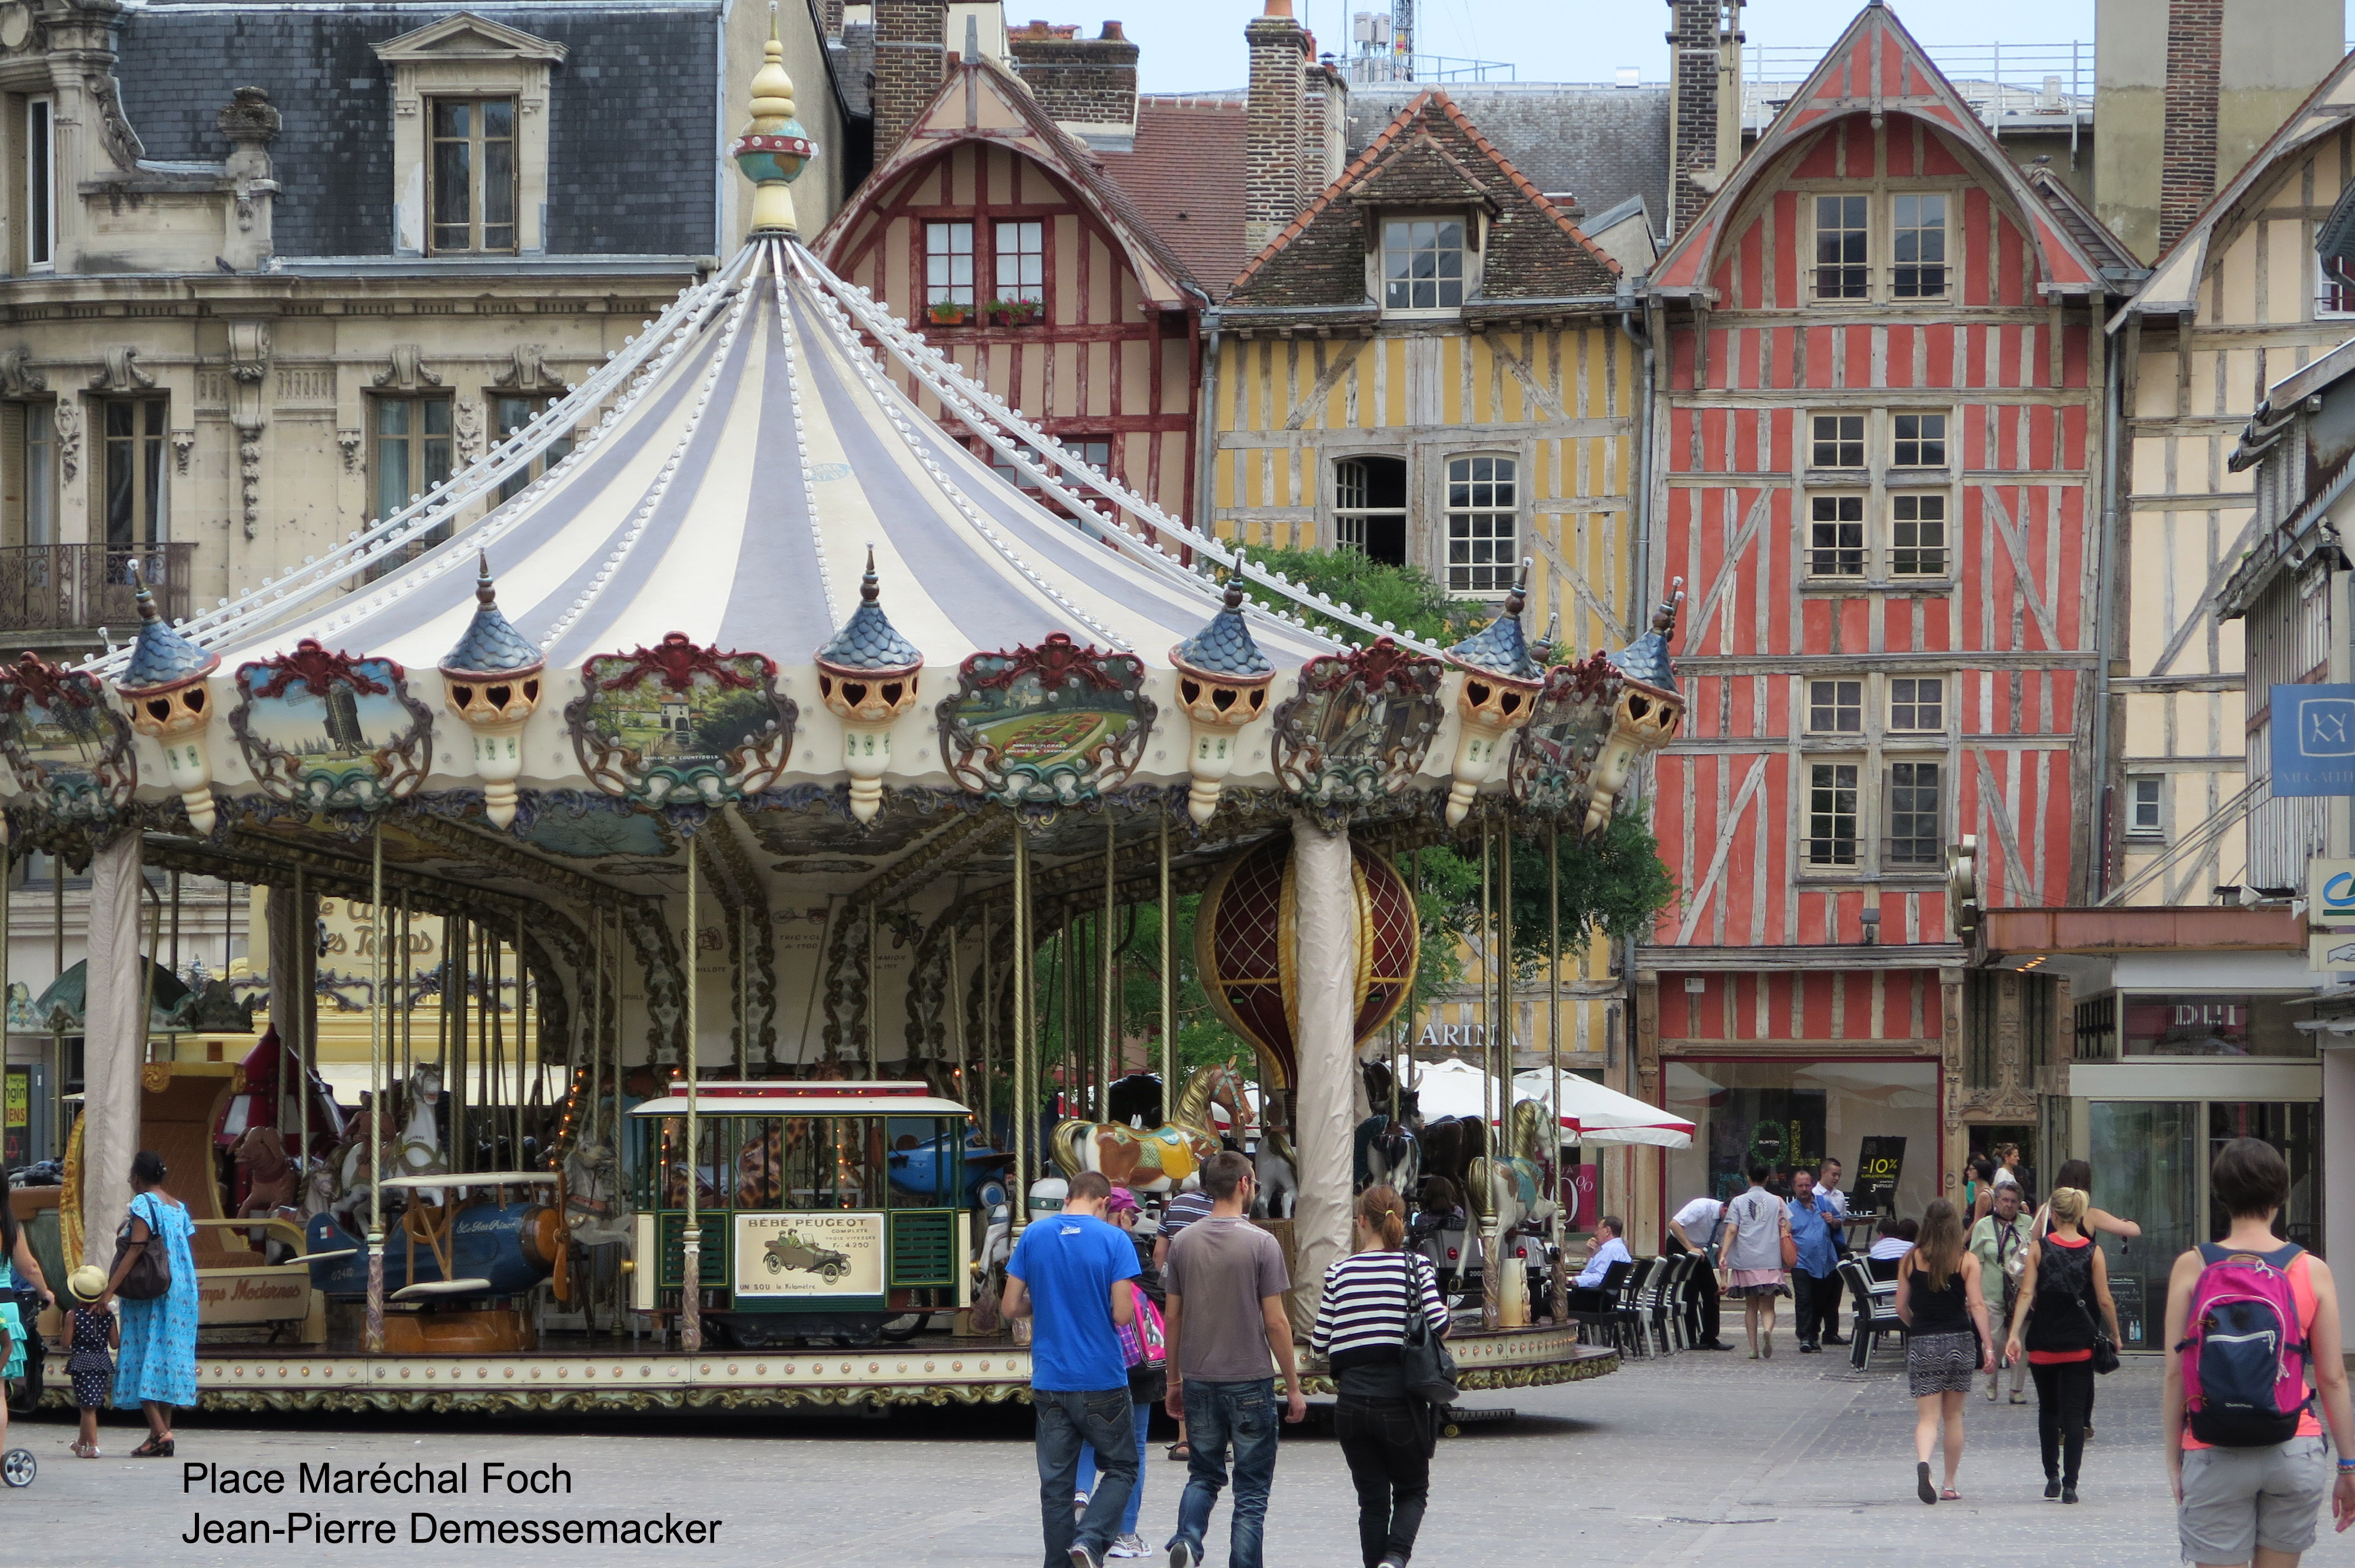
{"points": [[829, 1211]]}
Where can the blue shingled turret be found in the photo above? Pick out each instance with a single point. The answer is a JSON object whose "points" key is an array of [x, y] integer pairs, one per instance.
{"points": [[492, 646], [1646, 660], [1499, 648], [868, 644], [1223, 650], [162, 658]]}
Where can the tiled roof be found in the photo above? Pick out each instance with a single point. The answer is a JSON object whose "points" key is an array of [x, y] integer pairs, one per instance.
{"points": [[1600, 144], [1499, 648], [1224, 649], [161, 657], [2073, 215], [1646, 659], [490, 646], [869, 642], [1428, 152], [1186, 178]]}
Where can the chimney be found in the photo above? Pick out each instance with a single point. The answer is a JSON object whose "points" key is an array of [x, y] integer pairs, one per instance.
{"points": [[1087, 85], [830, 16], [1704, 101], [2187, 158], [1275, 122], [909, 64], [1325, 128]]}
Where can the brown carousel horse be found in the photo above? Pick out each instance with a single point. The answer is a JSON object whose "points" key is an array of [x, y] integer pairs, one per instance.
{"points": [[1160, 1159]]}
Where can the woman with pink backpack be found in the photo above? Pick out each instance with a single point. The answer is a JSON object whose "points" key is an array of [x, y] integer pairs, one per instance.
{"points": [[2250, 1321], [1143, 1345]]}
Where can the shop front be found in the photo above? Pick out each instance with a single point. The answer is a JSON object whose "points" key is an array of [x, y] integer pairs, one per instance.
{"points": [[1877, 1115]]}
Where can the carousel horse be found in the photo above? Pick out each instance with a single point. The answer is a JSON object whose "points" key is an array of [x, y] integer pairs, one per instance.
{"points": [[318, 1189], [1156, 1160], [419, 1151], [1278, 1170], [594, 1206], [761, 1170], [270, 1177], [1386, 1152], [1509, 1191]]}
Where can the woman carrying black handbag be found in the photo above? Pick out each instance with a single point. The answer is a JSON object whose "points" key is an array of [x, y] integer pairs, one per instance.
{"points": [[1371, 1299], [2065, 1280]]}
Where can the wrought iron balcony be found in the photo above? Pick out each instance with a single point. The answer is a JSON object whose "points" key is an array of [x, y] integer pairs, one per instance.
{"points": [[71, 588]]}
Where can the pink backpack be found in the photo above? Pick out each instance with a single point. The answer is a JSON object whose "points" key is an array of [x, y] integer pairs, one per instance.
{"points": [[2243, 1351], [1144, 1344]]}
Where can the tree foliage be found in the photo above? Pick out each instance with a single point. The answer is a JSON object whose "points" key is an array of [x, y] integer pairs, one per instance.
{"points": [[1406, 596]]}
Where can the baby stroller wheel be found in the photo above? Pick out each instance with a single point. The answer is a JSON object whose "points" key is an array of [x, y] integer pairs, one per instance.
{"points": [[18, 1467]]}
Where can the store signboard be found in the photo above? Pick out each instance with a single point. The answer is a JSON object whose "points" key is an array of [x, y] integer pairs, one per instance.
{"points": [[16, 1117], [2330, 893], [1879, 1163], [2330, 951], [804, 1254], [2313, 740]]}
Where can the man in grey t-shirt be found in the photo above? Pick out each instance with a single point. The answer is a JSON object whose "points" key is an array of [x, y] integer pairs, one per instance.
{"points": [[1226, 1280]]}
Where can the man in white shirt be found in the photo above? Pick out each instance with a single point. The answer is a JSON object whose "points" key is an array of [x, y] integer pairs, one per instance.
{"points": [[1695, 1228], [1608, 1249]]}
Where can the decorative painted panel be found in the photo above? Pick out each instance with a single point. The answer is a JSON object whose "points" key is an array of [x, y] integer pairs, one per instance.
{"points": [[65, 746], [331, 732], [681, 723], [1051, 726]]}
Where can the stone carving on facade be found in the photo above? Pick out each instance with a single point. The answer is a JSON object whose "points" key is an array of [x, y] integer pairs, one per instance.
{"points": [[530, 373], [68, 429], [407, 372], [467, 432], [251, 123], [249, 370], [122, 372], [122, 146], [20, 28], [183, 442], [350, 441], [18, 378]]}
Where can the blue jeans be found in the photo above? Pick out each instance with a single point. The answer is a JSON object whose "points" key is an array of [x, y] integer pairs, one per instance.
{"points": [[1135, 1493], [1218, 1414], [1067, 1421]]}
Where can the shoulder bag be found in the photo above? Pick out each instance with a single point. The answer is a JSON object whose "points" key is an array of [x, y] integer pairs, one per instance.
{"points": [[2105, 1354], [150, 1273], [1425, 1364]]}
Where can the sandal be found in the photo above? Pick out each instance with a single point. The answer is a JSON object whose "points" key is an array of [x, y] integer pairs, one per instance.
{"points": [[1948, 1494], [1179, 1451], [153, 1448]]}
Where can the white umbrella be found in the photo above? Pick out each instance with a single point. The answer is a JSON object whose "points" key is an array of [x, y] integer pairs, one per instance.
{"points": [[1446, 1088], [1605, 1115]]}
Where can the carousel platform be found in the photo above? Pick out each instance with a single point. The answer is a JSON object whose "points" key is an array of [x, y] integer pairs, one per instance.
{"points": [[575, 1372]]}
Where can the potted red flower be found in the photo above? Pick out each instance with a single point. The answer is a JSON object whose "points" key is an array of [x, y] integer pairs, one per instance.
{"points": [[1015, 313], [948, 313]]}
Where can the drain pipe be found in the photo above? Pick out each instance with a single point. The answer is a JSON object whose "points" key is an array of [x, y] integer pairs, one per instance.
{"points": [[1639, 473], [2105, 590]]}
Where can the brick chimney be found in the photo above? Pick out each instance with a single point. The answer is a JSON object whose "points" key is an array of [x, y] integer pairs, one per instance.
{"points": [[1088, 85], [1704, 102], [909, 64], [1275, 123], [1324, 130], [2187, 160]]}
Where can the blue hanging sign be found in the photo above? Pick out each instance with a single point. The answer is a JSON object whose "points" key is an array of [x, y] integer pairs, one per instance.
{"points": [[2313, 740]]}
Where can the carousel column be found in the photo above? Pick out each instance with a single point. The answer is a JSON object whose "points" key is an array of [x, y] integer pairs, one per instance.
{"points": [[1325, 961], [110, 1035]]}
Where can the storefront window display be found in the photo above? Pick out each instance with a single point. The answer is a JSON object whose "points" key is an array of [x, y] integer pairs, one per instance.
{"points": [[1794, 1112], [2176, 1025]]}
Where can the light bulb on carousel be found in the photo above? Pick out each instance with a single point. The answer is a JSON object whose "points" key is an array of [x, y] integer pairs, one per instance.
{"points": [[1501, 682], [867, 676], [165, 692], [491, 681], [1649, 708], [1222, 682]]}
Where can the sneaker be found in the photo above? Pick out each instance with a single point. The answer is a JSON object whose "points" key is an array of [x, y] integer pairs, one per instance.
{"points": [[1990, 1394], [1083, 1556], [1079, 1506], [2052, 1488], [1130, 1545], [1183, 1556], [1769, 1347]]}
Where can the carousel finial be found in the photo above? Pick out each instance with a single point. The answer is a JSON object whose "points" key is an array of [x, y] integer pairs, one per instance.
{"points": [[867, 676], [491, 681], [775, 148], [1501, 681], [1222, 682], [164, 693], [1648, 709]]}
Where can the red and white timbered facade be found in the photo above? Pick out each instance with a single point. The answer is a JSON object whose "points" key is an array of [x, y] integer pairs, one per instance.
{"points": [[1876, 455], [993, 231]]}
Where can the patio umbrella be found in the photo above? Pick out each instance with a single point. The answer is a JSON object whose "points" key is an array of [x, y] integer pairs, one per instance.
{"points": [[1605, 1115]]}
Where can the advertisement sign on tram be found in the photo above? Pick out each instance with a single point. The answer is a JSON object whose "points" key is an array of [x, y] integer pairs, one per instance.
{"points": [[807, 1254]]}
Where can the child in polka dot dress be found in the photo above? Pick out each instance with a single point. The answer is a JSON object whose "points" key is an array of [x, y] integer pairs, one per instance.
{"points": [[91, 1334]]}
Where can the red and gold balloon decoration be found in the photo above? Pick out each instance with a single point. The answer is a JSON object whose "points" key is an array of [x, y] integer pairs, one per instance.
{"points": [[1245, 952]]}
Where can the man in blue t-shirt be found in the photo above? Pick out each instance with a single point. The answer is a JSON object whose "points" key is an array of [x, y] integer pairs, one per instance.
{"points": [[1069, 1275]]}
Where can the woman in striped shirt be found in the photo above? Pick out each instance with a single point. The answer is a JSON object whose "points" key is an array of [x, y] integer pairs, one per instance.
{"points": [[1361, 1325]]}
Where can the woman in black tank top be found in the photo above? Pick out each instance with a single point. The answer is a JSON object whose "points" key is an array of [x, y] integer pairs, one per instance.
{"points": [[1948, 1340]]}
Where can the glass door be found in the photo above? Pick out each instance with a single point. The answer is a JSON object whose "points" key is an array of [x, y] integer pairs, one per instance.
{"points": [[2142, 1157], [2293, 1127]]}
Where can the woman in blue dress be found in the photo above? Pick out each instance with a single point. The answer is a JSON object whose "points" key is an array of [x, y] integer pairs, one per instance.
{"points": [[157, 1369], [18, 1271]]}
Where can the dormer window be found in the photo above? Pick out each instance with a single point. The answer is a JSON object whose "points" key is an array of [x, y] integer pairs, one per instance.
{"points": [[470, 137], [1424, 263]]}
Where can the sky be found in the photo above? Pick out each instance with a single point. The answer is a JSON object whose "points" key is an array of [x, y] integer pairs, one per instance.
{"points": [[1198, 45]]}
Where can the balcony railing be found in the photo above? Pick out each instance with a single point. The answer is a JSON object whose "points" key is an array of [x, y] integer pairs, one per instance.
{"points": [[63, 588]]}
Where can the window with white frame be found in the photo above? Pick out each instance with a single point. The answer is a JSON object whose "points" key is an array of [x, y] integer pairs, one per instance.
{"points": [[1369, 507], [1836, 535], [40, 184], [1836, 707], [1423, 263], [1914, 822], [1917, 704], [1838, 441], [1917, 440], [472, 175], [1832, 819], [1917, 233], [948, 264], [1483, 524], [1021, 257], [2146, 805], [1843, 247], [1917, 534]]}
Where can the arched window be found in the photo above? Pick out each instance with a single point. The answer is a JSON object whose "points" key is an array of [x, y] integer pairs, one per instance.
{"points": [[1483, 524], [1369, 507]]}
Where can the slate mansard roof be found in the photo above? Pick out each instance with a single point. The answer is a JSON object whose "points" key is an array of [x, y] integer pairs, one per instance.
{"points": [[630, 169]]}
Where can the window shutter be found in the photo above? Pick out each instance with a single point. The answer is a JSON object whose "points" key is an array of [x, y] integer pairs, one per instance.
{"points": [[12, 473]]}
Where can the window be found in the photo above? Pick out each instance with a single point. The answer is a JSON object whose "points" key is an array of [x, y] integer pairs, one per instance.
{"points": [[2146, 805], [1369, 507], [1920, 440], [412, 448], [1917, 535], [1095, 453], [2170, 1025], [1831, 814], [1021, 260], [510, 413], [37, 460], [1840, 442], [133, 499], [948, 264], [1836, 707], [1841, 259], [1836, 536], [1481, 524], [473, 173], [40, 183], [1423, 264], [1917, 705], [1916, 836], [1918, 234]]}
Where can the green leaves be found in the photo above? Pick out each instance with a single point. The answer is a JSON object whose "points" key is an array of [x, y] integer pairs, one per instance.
{"points": [[1406, 596]]}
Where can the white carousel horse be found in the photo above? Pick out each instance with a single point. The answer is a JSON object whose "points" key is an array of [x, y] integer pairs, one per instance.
{"points": [[596, 1205], [1508, 1192], [1155, 1160], [1278, 1170], [420, 1153]]}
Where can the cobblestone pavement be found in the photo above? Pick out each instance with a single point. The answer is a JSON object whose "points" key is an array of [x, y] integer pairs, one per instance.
{"points": [[1697, 1457]]}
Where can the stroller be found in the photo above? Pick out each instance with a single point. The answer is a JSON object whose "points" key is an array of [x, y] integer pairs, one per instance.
{"points": [[17, 1466]]}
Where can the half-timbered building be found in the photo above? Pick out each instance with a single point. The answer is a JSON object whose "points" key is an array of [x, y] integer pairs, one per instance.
{"points": [[1877, 471]]}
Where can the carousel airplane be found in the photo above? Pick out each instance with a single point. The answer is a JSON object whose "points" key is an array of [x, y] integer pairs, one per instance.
{"points": [[495, 1248]]}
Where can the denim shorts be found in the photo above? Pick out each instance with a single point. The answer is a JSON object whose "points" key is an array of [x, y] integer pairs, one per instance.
{"points": [[2237, 1499]]}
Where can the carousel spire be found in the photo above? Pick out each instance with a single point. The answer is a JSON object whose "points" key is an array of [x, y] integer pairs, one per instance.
{"points": [[774, 149], [164, 690], [1648, 709], [1501, 682], [867, 675], [1222, 680], [491, 681]]}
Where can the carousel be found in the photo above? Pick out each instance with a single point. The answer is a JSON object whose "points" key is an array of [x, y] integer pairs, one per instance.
{"points": [[807, 806]]}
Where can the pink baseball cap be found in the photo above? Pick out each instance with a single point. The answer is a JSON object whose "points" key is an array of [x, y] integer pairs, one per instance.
{"points": [[1122, 1201]]}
